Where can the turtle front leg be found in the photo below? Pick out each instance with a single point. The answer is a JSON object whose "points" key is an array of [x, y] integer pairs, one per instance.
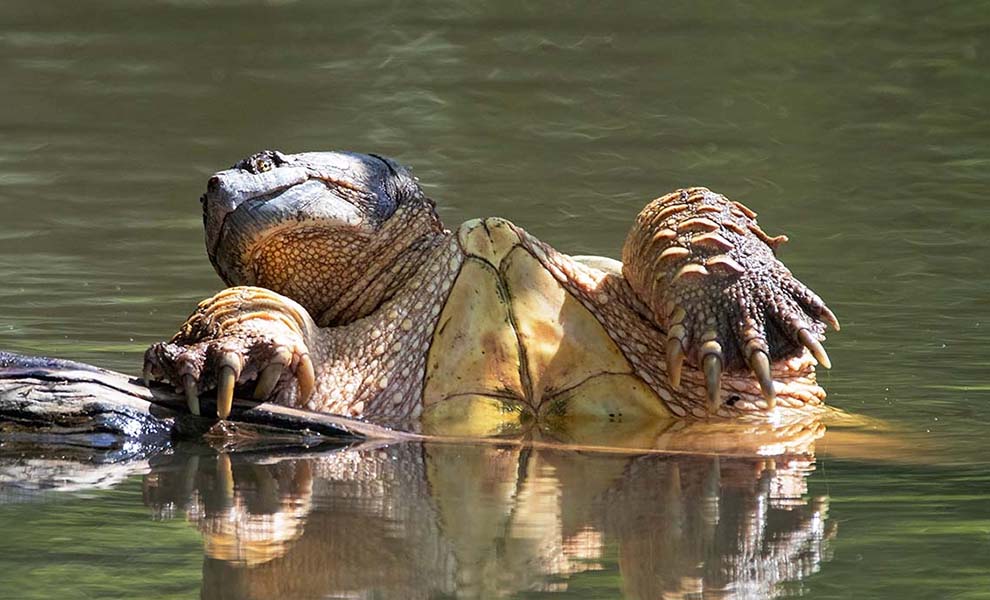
{"points": [[240, 335], [710, 277]]}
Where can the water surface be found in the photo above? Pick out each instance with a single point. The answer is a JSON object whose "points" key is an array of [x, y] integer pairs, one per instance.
{"points": [[859, 129]]}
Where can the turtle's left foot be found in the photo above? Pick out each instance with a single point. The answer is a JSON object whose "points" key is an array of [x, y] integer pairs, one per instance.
{"points": [[710, 276]]}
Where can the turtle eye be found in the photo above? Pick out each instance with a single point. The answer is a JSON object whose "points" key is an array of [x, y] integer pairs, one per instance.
{"points": [[263, 165], [261, 162]]}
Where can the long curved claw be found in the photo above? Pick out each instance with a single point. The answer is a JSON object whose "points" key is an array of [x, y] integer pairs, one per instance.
{"points": [[147, 374], [267, 380], [225, 391], [192, 395], [676, 342], [713, 380], [809, 341], [828, 316], [675, 362], [759, 362], [306, 375], [230, 370], [711, 362], [812, 304], [271, 374]]}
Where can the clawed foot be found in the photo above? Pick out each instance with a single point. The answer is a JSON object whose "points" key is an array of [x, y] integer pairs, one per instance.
{"points": [[711, 277], [243, 335], [752, 324]]}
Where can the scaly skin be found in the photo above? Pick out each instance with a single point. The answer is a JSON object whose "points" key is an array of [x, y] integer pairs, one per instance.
{"points": [[342, 270]]}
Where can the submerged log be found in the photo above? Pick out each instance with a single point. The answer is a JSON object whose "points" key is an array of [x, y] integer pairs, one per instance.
{"points": [[65, 403]]}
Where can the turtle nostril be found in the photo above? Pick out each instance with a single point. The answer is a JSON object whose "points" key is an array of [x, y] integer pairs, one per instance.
{"points": [[212, 185]]}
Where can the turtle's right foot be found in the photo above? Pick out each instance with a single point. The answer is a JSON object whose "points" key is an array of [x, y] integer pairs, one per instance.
{"points": [[239, 336], [710, 276]]}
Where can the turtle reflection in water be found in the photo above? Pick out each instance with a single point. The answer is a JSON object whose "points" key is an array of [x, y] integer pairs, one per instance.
{"points": [[416, 521], [352, 299]]}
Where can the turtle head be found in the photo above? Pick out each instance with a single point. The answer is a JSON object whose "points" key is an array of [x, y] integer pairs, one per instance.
{"points": [[310, 225]]}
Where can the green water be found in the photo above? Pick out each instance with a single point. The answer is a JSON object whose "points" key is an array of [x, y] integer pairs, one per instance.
{"points": [[859, 129]]}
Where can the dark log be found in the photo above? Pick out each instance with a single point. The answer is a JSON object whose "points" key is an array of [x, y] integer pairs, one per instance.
{"points": [[56, 402]]}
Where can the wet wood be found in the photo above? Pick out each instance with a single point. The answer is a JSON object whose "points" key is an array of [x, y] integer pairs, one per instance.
{"points": [[58, 402]]}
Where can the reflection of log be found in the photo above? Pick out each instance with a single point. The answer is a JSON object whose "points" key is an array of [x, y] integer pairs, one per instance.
{"points": [[27, 475], [52, 401]]}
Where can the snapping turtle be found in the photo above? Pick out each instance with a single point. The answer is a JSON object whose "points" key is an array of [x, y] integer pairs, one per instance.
{"points": [[352, 298]]}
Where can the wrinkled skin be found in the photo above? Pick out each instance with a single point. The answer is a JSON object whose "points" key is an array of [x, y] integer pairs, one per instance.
{"points": [[341, 270]]}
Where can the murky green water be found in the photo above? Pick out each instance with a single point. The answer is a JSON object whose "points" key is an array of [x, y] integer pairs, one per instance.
{"points": [[860, 129]]}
